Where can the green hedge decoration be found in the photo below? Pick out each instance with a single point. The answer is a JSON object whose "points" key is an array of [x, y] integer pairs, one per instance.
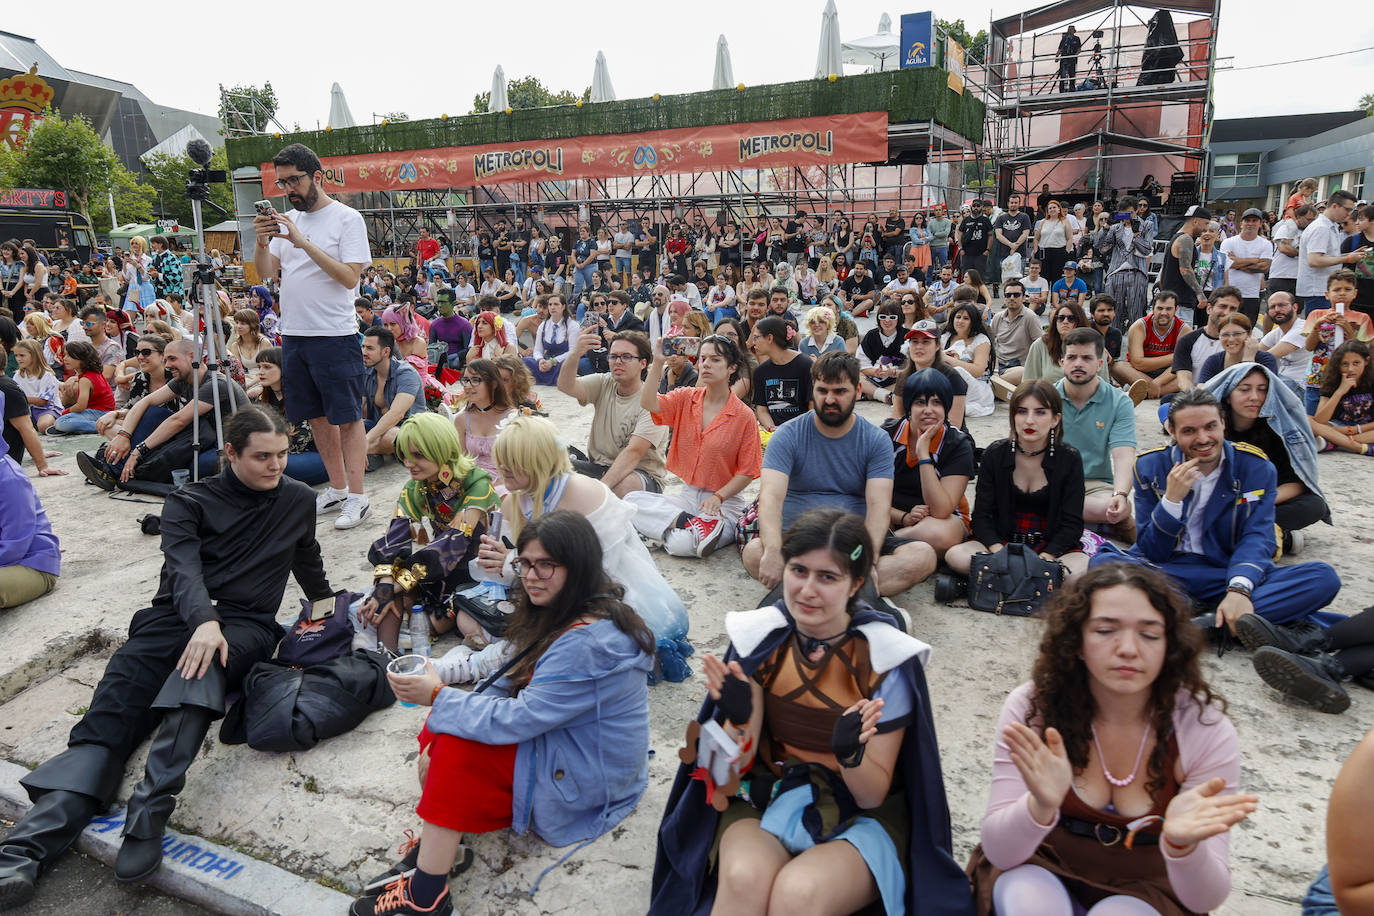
{"points": [[906, 95]]}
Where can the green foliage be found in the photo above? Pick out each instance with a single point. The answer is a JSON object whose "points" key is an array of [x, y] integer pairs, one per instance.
{"points": [[134, 203], [529, 92], [242, 115], [396, 116], [1367, 103], [66, 154], [975, 46], [167, 177]]}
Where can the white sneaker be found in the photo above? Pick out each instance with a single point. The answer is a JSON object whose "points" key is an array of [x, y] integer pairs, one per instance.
{"points": [[352, 511], [453, 666], [329, 500]]}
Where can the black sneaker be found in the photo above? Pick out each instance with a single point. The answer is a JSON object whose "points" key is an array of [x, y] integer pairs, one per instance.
{"points": [[410, 855], [1315, 681], [97, 471], [395, 901]]}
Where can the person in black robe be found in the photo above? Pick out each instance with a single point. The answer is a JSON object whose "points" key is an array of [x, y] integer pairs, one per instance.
{"points": [[230, 542]]}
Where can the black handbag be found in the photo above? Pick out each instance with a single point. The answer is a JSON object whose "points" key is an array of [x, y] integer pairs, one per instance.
{"points": [[1015, 580]]}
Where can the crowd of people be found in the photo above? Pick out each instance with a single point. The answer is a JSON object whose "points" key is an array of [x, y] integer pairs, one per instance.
{"points": [[703, 390]]}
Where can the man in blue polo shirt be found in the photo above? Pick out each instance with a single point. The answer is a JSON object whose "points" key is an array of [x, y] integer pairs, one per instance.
{"points": [[1099, 421]]}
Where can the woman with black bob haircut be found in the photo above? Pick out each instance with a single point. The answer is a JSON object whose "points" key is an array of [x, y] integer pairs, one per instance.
{"points": [[825, 699], [1030, 491], [559, 744], [1115, 770]]}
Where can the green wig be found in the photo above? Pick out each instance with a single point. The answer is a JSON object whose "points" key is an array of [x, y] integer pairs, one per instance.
{"points": [[432, 436]]}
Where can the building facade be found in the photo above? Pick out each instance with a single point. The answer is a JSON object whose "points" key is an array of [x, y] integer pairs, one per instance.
{"points": [[1257, 162]]}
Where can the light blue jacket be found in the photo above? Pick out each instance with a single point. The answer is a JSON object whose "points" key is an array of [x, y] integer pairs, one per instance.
{"points": [[1287, 417], [582, 726]]}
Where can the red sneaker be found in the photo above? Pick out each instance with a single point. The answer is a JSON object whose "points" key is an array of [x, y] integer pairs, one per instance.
{"points": [[707, 533]]}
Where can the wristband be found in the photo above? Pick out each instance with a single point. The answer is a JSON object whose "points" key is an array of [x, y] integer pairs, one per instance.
{"points": [[124, 432], [383, 569], [1238, 589], [435, 695], [930, 461], [718, 496]]}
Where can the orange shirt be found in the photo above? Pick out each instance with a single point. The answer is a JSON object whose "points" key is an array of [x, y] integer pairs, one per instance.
{"points": [[708, 458], [69, 286]]}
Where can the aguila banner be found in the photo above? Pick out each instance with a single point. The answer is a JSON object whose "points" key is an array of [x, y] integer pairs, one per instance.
{"points": [[827, 140]]}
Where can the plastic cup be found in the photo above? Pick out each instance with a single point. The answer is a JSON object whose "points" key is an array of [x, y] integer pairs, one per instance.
{"points": [[407, 665]]}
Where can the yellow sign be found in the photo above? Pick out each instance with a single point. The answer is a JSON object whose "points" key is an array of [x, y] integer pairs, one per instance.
{"points": [[954, 63]]}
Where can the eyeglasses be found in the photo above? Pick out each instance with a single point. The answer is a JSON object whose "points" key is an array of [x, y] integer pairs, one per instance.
{"points": [[1014, 295], [471, 382], [290, 181], [145, 351], [541, 567], [622, 357]]}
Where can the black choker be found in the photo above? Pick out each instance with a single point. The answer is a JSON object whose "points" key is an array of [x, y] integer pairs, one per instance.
{"points": [[810, 644], [1030, 454], [480, 409]]}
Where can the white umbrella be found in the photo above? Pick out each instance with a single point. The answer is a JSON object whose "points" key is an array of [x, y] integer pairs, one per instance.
{"points": [[874, 51], [500, 99], [602, 91], [724, 77], [828, 59], [339, 115]]}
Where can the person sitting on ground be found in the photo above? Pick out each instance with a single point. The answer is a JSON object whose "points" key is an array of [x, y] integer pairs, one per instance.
{"points": [[39, 384], [208, 624], [151, 375], [157, 437], [1070, 288], [967, 348], [88, 397], [714, 449], [392, 391], [830, 458], [1238, 346], [929, 505], [529, 323], [1345, 415], [617, 317], [553, 341], [940, 293], [679, 372], [539, 479], [489, 334], [1194, 347], [720, 299], [1345, 887], [1043, 359], [1151, 342], [826, 698], [821, 336], [515, 375], [1118, 679], [782, 381], [16, 423], [303, 461], [362, 307], [1328, 328], [1204, 511], [451, 333], [880, 355], [859, 290], [1014, 330], [578, 687], [735, 331], [1099, 421], [1286, 342], [450, 493], [111, 352], [248, 341], [1030, 488], [923, 352], [411, 339], [30, 557], [488, 406]]}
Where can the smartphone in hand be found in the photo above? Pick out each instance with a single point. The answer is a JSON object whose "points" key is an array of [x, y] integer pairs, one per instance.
{"points": [[681, 346]]}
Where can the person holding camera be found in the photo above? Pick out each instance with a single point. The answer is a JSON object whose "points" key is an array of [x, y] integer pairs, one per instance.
{"points": [[1069, 47], [319, 248]]}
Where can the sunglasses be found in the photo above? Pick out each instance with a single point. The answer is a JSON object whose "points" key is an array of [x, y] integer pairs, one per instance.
{"points": [[1066, 318], [889, 317], [1014, 295], [145, 351]]}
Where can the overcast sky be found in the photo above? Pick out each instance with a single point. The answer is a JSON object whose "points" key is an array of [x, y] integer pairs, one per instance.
{"points": [[430, 59]]}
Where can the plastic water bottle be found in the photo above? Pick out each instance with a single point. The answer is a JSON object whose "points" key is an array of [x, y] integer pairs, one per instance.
{"points": [[419, 631]]}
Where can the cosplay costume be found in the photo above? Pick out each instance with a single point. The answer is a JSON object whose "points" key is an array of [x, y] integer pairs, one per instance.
{"points": [[905, 841], [431, 564], [229, 549]]}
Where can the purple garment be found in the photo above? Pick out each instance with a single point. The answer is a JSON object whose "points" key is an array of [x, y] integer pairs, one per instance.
{"points": [[455, 331], [26, 537]]}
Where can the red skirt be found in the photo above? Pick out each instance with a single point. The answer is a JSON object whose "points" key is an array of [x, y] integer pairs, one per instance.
{"points": [[470, 786]]}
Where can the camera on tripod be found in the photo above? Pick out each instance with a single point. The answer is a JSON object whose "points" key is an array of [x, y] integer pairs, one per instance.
{"points": [[1097, 45]]}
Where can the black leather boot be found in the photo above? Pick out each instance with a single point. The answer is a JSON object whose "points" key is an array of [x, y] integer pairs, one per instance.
{"points": [[67, 792], [1301, 638], [950, 587], [197, 703], [1316, 680]]}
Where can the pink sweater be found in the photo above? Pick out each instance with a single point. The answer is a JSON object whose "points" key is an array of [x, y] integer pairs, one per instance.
{"points": [[1206, 748]]}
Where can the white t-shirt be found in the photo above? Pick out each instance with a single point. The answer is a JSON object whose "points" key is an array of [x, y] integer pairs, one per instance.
{"points": [[1321, 237], [1283, 267], [313, 304], [464, 292], [1038, 290], [1296, 364], [1237, 247]]}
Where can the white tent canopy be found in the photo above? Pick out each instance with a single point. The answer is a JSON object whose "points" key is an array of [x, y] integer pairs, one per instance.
{"points": [[175, 145], [602, 90], [876, 52], [828, 55], [339, 114], [500, 98], [724, 75]]}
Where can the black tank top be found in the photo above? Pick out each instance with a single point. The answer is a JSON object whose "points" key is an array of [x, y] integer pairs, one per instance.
{"points": [[1172, 280]]}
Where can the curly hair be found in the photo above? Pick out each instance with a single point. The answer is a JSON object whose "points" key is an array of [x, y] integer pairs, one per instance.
{"points": [[1063, 697], [1331, 375]]}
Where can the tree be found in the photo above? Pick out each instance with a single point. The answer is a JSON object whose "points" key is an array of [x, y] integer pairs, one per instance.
{"points": [[975, 46], [66, 154], [167, 177], [529, 92], [247, 109], [1367, 103], [395, 116], [134, 202]]}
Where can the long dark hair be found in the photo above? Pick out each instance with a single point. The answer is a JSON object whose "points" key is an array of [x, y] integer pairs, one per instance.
{"points": [[1331, 375], [268, 396], [490, 373], [570, 540], [84, 354], [975, 315], [1063, 698], [840, 532], [1054, 341]]}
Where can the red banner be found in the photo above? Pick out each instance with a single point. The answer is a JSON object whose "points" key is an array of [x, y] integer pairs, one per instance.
{"points": [[825, 140]]}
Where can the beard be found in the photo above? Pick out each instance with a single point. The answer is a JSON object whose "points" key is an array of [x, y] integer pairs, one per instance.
{"points": [[305, 203], [835, 415]]}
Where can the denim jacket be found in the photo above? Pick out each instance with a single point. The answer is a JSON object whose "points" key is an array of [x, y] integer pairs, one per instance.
{"points": [[1284, 412], [582, 726]]}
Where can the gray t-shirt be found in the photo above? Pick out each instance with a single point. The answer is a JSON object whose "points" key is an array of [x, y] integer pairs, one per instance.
{"points": [[825, 473], [401, 378]]}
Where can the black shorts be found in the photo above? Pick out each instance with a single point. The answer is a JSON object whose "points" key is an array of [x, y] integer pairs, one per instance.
{"points": [[891, 543], [323, 377]]}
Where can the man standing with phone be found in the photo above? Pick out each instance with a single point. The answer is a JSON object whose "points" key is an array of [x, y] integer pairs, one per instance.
{"points": [[320, 249]]}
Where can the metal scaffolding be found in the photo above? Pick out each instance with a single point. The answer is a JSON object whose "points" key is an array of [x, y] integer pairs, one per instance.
{"points": [[1101, 129]]}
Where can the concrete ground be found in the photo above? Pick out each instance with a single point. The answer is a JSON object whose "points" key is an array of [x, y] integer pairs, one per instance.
{"points": [[337, 812]]}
